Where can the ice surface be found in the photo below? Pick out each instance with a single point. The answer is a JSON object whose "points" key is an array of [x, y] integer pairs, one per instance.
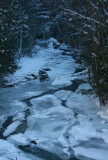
{"points": [[84, 86], [46, 101], [31, 94], [48, 122], [63, 95], [11, 128], [83, 103], [9, 101], [62, 81]]}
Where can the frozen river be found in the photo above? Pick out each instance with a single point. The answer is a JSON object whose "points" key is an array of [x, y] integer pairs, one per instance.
{"points": [[47, 111]]}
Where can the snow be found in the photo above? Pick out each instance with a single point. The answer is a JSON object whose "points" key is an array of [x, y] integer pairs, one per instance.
{"points": [[9, 151], [11, 128], [19, 116], [63, 46], [18, 139], [27, 66], [83, 131], [104, 135], [53, 41], [94, 153], [18, 105], [103, 114]]}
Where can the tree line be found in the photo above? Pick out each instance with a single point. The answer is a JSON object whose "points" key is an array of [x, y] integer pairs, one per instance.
{"points": [[91, 21]]}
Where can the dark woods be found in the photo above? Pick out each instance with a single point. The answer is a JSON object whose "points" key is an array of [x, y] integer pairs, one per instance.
{"points": [[98, 54], [14, 33], [82, 23], [97, 59], [90, 19], [98, 63]]}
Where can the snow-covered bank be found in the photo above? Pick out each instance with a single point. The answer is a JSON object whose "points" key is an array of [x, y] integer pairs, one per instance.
{"points": [[50, 114], [47, 59]]}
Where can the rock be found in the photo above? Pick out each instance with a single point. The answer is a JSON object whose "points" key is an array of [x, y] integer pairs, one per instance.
{"points": [[43, 75], [34, 76], [28, 78], [47, 69], [31, 77], [41, 72], [33, 142]]}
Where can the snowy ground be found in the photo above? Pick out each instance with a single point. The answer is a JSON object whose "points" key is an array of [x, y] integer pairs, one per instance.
{"points": [[45, 116]]}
